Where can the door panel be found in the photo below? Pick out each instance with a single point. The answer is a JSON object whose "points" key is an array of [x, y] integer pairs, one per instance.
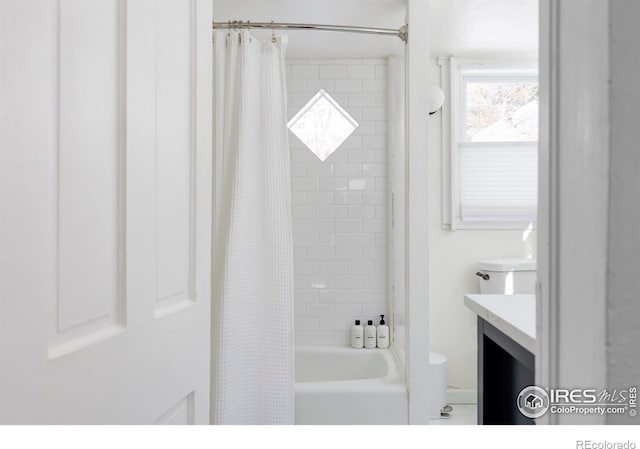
{"points": [[174, 155], [180, 414], [89, 303], [106, 202]]}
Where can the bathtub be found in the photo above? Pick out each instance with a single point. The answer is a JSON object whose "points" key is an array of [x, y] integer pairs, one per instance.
{"points": [[336, 385]]}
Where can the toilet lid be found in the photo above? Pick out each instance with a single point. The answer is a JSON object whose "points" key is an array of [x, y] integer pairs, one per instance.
{"points": [[507, 265]]}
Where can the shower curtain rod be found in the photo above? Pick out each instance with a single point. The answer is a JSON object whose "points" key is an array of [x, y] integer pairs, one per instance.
{"points": [[402, 33]]}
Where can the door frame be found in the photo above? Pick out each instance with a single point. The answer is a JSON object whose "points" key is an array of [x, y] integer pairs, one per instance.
{"points": [[573, 189]]}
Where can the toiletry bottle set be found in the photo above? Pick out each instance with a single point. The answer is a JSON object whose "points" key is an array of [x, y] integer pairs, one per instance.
{"points": [[370, 336]]}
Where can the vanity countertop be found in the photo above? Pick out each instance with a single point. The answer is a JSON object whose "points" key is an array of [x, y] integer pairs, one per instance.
{"points": [[513, 315]]}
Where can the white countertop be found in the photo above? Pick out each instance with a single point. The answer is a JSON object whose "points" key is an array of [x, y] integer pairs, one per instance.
{"points": [[513, 315]]}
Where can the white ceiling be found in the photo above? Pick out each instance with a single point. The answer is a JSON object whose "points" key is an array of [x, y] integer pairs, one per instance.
{"points": [[476, 28], [323, 44]]}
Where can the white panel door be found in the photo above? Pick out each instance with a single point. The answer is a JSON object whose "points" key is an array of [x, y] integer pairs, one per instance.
{"points": [[105, 211]]}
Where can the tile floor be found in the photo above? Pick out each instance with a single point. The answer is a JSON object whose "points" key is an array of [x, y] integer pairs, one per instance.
{"points": [[462, 414]]}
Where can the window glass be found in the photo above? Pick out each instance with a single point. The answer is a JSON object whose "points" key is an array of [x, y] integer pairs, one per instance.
{"points": [[500, 109], [322, 125]]}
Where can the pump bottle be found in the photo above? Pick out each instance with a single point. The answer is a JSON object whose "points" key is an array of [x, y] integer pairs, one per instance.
{"points": [[382, 334]]}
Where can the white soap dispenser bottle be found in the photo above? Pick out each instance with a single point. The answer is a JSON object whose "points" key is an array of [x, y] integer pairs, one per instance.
{"points": [[357, 335], [370, 335], [382, 332]]}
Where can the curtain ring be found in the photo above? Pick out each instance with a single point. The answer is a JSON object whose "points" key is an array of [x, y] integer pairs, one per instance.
{"points": [[273, 33]]}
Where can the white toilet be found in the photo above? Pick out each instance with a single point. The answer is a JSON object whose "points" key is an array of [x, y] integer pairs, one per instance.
{"points": [[507, 276]]}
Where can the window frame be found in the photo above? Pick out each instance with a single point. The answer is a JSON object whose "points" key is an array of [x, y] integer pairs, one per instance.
{"points": [[453, 128]]}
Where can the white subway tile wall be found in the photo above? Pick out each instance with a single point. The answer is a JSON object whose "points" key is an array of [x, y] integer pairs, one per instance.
{"points": [[339, 206]]}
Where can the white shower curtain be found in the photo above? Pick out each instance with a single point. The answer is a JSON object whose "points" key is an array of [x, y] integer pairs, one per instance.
{"points": [[253, 304]]}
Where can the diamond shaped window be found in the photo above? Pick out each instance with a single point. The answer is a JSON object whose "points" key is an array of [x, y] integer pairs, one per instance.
{"points": [[322, 125]]}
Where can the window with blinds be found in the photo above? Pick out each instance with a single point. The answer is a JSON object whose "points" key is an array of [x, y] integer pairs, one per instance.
{"points": [[496, 152], [498, 181]]}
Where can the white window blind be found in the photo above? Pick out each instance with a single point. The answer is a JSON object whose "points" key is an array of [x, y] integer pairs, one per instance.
{"points": [[498, 181], [494, 145]]}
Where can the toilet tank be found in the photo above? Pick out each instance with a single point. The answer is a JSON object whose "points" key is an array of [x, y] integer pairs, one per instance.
{"points": [[507, 276]]}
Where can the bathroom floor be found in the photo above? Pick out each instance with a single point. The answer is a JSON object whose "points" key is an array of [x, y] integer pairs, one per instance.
{"points": [[462, 414]]}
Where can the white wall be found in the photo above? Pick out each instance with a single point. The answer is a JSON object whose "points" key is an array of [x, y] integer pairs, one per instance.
{"points": [[339, 206], [417, 212], [452, 259]]}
